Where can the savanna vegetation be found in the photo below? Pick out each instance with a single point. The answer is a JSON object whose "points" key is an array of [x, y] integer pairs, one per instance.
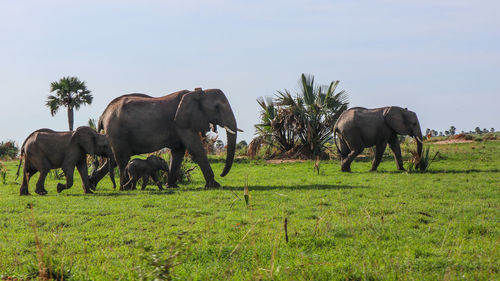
{"points": [[299, 125], [439, 225]]}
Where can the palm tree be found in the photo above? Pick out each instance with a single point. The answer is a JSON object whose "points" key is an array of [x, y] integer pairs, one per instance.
{"points": [[316, 108], [70, 93], [308, 117]]}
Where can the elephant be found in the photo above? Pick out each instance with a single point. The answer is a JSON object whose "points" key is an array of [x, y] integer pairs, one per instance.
{"points": [[45, 149], [139, 168], [138, 123], [358, 128]]}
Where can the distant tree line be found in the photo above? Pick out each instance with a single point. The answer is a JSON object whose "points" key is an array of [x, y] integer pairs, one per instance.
{"points": [[8, 149], [452, 132]]}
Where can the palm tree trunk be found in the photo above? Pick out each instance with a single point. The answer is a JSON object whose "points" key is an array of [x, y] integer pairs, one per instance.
{"points": [[70, 118]]}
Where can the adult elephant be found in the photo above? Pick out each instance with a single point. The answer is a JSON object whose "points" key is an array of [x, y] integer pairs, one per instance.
{"points": [[138, 123], [358, 128], [45, 149]]}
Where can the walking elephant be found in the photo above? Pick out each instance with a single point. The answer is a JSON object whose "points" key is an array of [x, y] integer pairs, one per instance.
{"points": [[139, 168], [138, 123], [358, 128], [46, 149]]}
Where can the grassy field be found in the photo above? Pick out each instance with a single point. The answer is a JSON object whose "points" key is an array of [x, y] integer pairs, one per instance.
{"points": [[388, 225]]}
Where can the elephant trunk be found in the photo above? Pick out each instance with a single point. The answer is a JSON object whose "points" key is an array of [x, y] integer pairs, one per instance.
{"points": [[420, 144], [231, 132], [99, 174], [418, 136]]}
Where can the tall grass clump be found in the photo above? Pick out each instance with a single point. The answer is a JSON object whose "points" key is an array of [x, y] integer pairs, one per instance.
{"points": [[48, 266], [422, 163], [3, 173]]}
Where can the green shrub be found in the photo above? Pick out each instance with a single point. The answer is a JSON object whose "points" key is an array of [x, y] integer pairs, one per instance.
{"points": [[8, 150], [421, 163]]}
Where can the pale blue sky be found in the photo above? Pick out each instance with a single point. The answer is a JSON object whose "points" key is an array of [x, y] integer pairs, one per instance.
{"points": [[438, 58]]}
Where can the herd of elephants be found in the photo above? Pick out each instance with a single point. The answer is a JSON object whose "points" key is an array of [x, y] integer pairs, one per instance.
{"points": [[137, 123]]}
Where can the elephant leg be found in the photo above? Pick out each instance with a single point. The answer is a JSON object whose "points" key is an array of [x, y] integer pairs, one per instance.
{"points": [[346, 163], [133, 186], [145, 180], [40, 189], [396, 149], [379, 152], [195, 148], [154, 176], [200, 157], [129, 183], [122, 161], [28, 172], [68, 172], [83, 170], [175, 165]]}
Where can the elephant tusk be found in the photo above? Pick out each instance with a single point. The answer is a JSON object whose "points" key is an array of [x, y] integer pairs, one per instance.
{"points": [[240, 130], [229, 130], [419, 139]]}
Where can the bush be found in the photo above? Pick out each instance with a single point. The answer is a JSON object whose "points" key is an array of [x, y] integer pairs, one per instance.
{"points": [[421, 163], [8, 150]]}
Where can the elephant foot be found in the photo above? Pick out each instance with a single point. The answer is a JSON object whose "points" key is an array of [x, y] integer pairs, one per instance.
{"points": [[373, 170], [88, 191], [41, 192], [344, 169], [60, 187], [212, 184], [23, 192], [159, 187], [172, 185]]}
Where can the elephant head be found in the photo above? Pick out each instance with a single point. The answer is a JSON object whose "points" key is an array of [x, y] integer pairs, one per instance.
{"points": [[201, 109], [157, 162], [404, 122], [94, 143]]}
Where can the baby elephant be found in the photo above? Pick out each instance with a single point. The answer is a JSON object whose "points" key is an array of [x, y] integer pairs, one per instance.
{"points": [[138, 168]]}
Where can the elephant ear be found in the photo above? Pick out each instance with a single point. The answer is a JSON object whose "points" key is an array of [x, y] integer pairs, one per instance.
{"points": [[85, 137], [395, 119], [190, 114]]}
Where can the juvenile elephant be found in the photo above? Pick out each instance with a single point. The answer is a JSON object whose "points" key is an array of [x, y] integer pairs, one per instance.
{"points": [[138, 123], [358, 128], [138, 168], [46, 149]]}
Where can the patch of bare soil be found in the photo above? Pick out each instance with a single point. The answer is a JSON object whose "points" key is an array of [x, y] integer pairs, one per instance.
{"points": [[453, 141], [279, 161], [460, 138]]}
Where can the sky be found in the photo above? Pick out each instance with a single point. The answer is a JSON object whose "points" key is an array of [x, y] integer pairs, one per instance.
{"points": [[440, 59]]}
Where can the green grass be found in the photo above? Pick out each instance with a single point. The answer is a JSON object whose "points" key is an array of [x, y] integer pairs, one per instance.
{"points": [[387, 225]]}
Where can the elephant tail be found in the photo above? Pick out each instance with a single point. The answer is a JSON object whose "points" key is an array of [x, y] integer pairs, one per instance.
{"points": [[336, 130], [100, 124], [20, 163], [335, 139]]}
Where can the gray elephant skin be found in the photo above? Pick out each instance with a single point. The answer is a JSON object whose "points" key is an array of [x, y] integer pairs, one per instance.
{"points": [[139, 168], [46, 149], [358, 128], [138, 123]]}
